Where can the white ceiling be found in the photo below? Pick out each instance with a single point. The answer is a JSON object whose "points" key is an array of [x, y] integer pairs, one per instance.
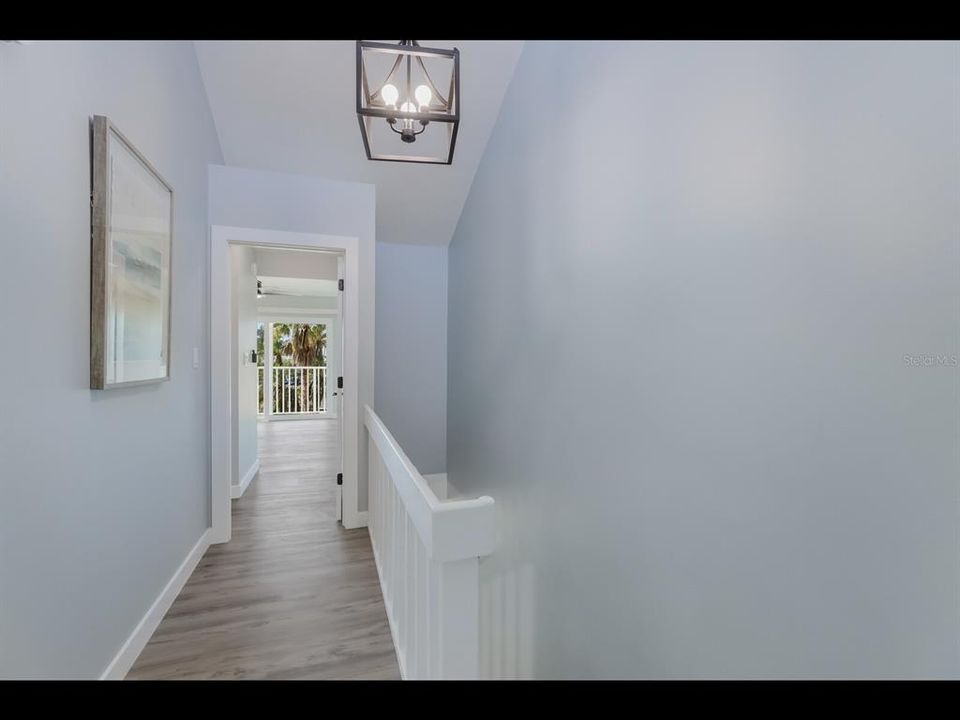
{"points": [[290, 106]]}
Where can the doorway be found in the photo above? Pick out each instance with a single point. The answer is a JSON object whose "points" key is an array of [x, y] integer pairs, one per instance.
{"points": [[302, 357]]}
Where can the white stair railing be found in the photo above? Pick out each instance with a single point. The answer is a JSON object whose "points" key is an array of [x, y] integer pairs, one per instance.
{"points": [[428, 554]]}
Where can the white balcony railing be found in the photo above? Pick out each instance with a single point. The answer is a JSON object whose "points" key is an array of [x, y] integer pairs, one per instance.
{"points": [[427, 553], [298, 390]]}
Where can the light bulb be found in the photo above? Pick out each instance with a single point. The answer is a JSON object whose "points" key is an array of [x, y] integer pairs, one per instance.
{"points": [[389, 93], [423, 95], [408, 107]]}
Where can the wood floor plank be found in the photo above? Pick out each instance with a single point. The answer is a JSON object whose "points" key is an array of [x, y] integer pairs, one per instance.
{"points": [[293, 595]]}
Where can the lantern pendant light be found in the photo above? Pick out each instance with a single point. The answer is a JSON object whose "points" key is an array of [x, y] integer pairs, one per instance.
{"points": [[405, 117]]}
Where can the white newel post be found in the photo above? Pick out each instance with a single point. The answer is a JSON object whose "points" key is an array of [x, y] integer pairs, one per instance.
{"points": [[428, 558], [458, 619]]}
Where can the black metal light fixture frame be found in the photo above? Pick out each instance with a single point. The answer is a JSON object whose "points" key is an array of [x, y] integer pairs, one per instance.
{"points": [[370, 105]]}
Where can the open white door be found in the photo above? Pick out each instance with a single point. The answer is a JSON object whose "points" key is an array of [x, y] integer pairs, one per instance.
{"points": [[338, 384]]}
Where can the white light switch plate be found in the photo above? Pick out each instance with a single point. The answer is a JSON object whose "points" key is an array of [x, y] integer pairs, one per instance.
{"points": [[196, 358]]}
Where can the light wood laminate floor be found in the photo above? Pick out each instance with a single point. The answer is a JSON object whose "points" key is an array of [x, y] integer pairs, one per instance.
{"points": [[293, 595]]}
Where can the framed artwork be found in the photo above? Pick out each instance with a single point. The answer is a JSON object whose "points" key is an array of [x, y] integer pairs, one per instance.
{"points": [[131, 239]]}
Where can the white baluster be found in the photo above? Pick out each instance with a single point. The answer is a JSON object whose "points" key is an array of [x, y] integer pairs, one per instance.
{"points": [[433, 615], [389, 545], [420, 632], [382, 500], [401, 569], [405, 575], [372, 470]]}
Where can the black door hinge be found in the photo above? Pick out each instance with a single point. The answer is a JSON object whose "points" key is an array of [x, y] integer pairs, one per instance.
{"points": [[340, 284], [340, 382], [339, 478]]}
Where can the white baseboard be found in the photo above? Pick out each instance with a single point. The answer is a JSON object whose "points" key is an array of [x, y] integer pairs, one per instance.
{"points": [[131, 649], [356, 520], [238, 490], [293, 417]]}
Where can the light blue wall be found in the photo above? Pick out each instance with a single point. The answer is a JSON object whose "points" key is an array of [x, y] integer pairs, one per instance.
{"points": [[682, 291], [103, 492], [411, 370]]}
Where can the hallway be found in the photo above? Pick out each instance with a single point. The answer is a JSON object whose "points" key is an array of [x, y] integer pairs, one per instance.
{"points": [[293, 595]]}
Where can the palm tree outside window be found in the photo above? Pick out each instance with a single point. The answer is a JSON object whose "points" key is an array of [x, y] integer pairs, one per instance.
{"points": [[296, 345]]}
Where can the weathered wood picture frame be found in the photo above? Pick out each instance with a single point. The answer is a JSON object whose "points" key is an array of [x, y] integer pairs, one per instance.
{"points": [[131, 244]]}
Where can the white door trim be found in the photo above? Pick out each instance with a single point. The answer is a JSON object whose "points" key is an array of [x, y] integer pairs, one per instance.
{"points": [[221, 238]]}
